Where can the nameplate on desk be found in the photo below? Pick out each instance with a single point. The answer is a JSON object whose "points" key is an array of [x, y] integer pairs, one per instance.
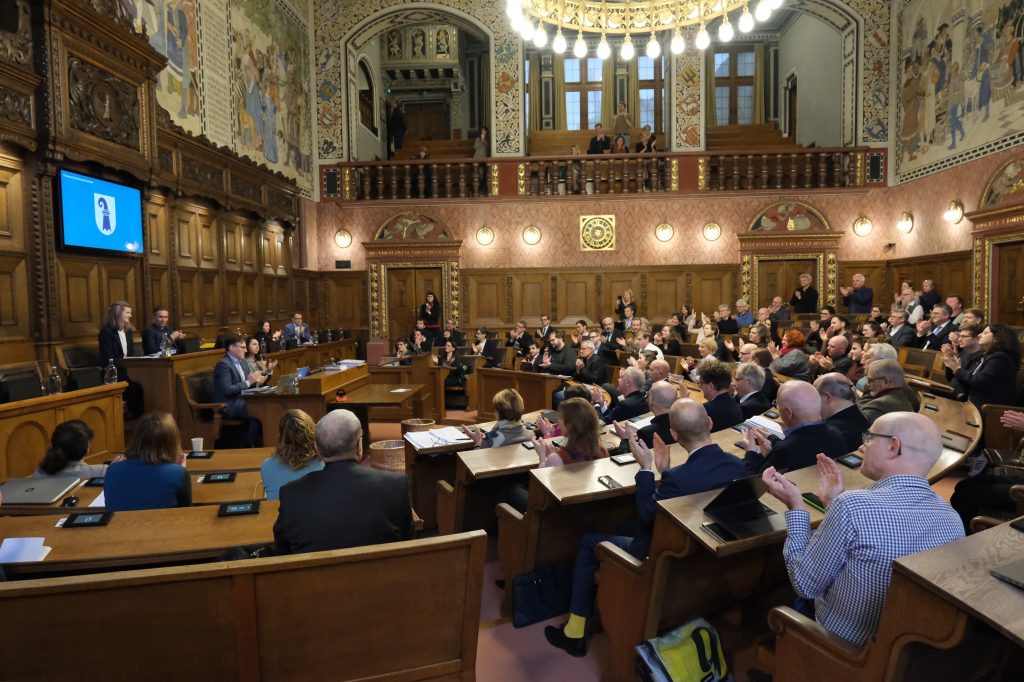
{"points": [[956, 441], [239, 508], [219, 477], [200, 454]]}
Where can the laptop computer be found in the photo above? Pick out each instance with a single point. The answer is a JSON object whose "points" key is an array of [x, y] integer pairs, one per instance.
{"points": [[739, 510], [287, 382], [36, 490], [1012, 573]]}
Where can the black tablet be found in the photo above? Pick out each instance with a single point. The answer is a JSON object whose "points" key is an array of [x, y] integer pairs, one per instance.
{"points": [[239, 508], [850, 459], [220, 477], [88, 519], [94, 482], [201, 454]]}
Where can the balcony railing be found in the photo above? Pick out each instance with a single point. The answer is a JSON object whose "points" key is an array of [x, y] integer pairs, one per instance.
{"points": [[722, 171]]}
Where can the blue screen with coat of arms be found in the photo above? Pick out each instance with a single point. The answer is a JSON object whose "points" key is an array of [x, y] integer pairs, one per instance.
{"points": [[96, 214]]}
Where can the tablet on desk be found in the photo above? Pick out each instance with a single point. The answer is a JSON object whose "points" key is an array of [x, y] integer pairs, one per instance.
{"points": [[88, 519]]}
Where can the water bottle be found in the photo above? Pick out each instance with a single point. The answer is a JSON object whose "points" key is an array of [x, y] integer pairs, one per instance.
{"points": [[165, 346], [55, 385], [110, 373], [329, 336], [316, 338]]}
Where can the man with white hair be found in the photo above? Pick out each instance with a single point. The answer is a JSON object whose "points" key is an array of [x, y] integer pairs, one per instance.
{"points": [[845, 566], [886, 381], [838, 408], [631, 402], [659, 399], [744, 316], [748, 381], [344, 504], [858, 298], [805, 433]]}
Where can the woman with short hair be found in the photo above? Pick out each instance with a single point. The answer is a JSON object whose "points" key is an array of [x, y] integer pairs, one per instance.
{"points": [[509, 428], [152, 474]]}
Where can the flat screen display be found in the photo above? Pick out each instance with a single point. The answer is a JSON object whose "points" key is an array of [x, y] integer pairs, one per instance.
{"points": [[101, 215]]}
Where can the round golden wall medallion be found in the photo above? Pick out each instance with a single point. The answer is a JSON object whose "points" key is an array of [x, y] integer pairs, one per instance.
{"points": [[597, 233]]}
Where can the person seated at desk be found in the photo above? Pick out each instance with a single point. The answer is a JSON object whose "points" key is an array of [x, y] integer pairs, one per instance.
{"points": [[255, 361], [153, 335], [559, 357], [989, 493], [582, 432], [451, 333], [531, 363], [748, 382], [115, 343], [509, 428], [519, 338], [707, 467], [296, 453], [889, 392], [839, 410], [419, 344], [715, 381], [344, 504], [630, 402], [486, 346], [296, 330], [152, 474], [69, 444], [266, 335], [993, 379], [660, 399], [846, 564], [799, 407], [231, 376]]}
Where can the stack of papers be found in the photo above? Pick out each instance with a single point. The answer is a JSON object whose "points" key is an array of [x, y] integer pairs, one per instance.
{"points": [[20, 550], [100, 501], [639, 423], [449, 435], [352, 363], [258, 389], [770, 425]]}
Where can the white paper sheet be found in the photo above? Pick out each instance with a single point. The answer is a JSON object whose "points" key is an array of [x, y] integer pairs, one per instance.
{"points": [[100, 501], [18, 550]]}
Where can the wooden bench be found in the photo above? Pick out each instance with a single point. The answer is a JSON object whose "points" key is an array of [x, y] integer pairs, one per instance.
{"points": [[401, 611]]}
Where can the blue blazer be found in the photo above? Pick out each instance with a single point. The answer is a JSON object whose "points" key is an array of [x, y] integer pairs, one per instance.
{"points": [[859, 300], [289, 333], [228, 386]]}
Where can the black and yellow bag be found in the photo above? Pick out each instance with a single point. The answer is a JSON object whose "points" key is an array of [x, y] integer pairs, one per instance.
{"points": [[689, 653]]}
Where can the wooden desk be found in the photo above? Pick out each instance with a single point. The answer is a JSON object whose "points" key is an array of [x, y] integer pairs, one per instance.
{"points": [[158, 376], [432, 394], [536, 389], [140, 538], [308, 355], [360, 400], [315, 392], [689, 573], [26, 425], [468, 502], [248, 485], [952, 415], [243, 459]]}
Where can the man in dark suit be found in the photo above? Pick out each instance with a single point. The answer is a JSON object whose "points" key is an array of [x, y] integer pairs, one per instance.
{"points": [[901, 333], [805, 433], [418, 343], [660, 399], [805, 297], [296, 329], [559, 357], [707, 467], [590, 367], [531, 363], [839, 410], [942, 325], [519, 338], [631, 401], [715, 382], [230, 377], [858, 298], [344, 505], [929, 296], [748, 381], [153, 335], [889, 392], [428, 335], [452, 333], [610, 334], [544, 332], [763, 357], [486, 347]]}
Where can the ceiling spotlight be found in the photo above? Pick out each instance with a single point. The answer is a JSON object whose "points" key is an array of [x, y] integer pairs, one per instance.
{"points": [[580, 47], [954, 212], [626, 51], [905, 223], [558, 44], [862, 227], [774, 4], [603, 49], [653, 47], [725, 32], [703, 39], [746, 22], [516, 23], [712, 231], [531, 235], [678, 44]]}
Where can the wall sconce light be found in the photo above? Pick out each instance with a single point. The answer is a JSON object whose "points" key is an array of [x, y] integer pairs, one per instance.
{"points": [[906, 223], [862, 227], [484, 236], [712, 231], [531, 235], [954, 212], [343, 239], [664, 232]]}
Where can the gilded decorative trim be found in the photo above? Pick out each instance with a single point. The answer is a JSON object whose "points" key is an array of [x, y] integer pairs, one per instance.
{"points": [[989, 243], [453, 290], [508, 297], [702, 173], [674, 164], [597, 233], [521, 179], [378, 311], [753, 270], [744, 281], [494, 179], [810, 209], [346, 184], [374, 299], [860, 169], [831, 277], [976, 276]]}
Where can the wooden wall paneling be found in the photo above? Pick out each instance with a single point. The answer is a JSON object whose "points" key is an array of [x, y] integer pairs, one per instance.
{"points": [[488, 294], [714, 286], [531, 298], [347, 294], [14, 301], [233, 292], [267, 253], [282, 255], [232, 244], [666, 292], [186, 220], [952, 274], [120, 282], [157, 237], [250, 247], [1008, 283], [160, 290], [210, 301], [252, 296], [614, 283], [12, 214], [190, 291], [81, 306], [208, 230], [24, 441], [576, 293]]}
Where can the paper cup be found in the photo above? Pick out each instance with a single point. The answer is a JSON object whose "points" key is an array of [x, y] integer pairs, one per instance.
{"points": [[197, 445]]}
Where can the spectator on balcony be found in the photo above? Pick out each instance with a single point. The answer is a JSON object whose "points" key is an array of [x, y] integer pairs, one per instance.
{"points": [[857, 298], [396, 127], [619, 146], [646, 143], [482, 144], [622, 126], [805, 297], [599, 143]]}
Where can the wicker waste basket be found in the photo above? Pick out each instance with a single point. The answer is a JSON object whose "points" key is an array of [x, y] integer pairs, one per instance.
{"points": [[416, 425], [388, 455]]}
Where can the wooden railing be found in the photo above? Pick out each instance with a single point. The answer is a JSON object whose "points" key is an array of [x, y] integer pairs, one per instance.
{"points": [[689, 173]]}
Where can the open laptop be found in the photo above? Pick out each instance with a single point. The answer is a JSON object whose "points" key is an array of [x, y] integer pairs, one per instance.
{"points": [[36, 490], [739, 510]]}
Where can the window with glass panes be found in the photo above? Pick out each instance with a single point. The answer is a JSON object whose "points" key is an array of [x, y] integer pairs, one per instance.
{"points": [[583, 91], [526, 91], [651, 83], [734, 85]]}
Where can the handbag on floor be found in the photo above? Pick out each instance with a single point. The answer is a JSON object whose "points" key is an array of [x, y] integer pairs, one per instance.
{"points": [[541, 594], [689, 653]]}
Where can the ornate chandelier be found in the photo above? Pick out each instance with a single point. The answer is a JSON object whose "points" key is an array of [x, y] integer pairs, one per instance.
{"points": [[531, 19]]}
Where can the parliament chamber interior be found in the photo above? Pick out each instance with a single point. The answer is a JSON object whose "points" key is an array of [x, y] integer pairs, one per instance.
{"points": [[521, 340]]}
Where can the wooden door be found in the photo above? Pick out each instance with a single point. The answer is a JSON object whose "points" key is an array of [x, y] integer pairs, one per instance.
{"points": [[1008, 284], [407, 289], [427, 121], [780, 278]]}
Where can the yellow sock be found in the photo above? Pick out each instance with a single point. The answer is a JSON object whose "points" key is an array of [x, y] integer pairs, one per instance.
{"points": [[576, 626]]}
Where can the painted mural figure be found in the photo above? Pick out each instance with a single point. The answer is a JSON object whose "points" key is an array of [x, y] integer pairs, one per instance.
{"points": [[911, 98], [955, 96], [982, 69]]}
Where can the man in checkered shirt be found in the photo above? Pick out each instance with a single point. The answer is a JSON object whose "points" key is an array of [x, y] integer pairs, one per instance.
{"points": [[845, 566]]}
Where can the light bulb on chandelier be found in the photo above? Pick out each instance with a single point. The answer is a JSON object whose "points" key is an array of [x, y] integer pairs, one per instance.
{"points": [[626, 51], [653, 47]]}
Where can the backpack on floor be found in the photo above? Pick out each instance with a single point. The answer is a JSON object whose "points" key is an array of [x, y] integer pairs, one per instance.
{"points": [[541, 594], [689, 653]]}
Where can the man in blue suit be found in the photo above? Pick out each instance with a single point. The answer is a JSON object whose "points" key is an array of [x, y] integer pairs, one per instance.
{"points": [[858, 298], [231, 376], [708, 467], [296, 329]]}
